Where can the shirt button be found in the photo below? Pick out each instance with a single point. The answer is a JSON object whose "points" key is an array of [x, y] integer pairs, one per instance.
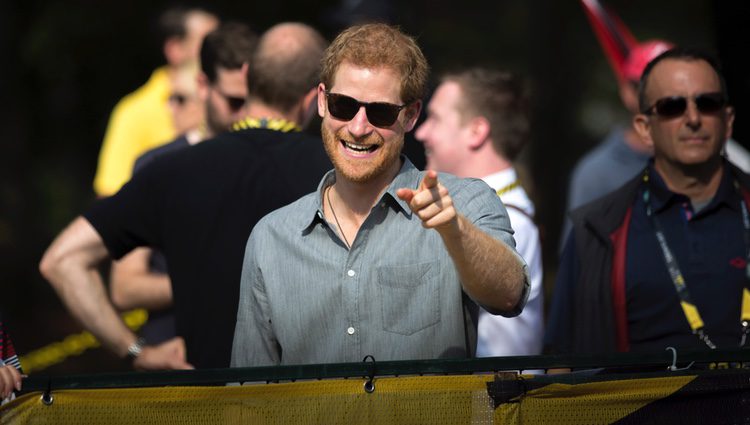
{"points": [[350, 331], [351, 273]]}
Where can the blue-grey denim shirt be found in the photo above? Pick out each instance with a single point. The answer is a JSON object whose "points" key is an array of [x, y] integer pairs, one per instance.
{"points": [[394, 295]]}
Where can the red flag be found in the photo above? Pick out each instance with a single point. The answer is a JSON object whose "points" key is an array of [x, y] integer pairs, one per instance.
{"points": [[614, 37]]}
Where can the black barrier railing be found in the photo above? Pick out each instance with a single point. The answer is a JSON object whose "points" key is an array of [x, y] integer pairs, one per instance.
{"points": [[633, 362]]}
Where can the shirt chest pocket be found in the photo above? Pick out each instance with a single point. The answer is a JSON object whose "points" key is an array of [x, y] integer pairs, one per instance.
{"points": [[409, 297]]}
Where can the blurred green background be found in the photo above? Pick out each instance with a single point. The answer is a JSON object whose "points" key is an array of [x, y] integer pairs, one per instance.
{"points": [[68, 62]]}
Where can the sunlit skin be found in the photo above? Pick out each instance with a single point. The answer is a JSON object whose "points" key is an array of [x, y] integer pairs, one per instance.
{"points": [[188, 115], [691, 143], [361, 152], [443, 133], [197, 25]]}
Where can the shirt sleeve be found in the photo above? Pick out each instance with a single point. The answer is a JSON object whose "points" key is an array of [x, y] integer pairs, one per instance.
{"points": [[254, 341], [8, 354], [129, 218]]}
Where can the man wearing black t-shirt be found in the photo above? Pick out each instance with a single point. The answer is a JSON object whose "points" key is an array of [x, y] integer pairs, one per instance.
{"points": [[199, 207]]}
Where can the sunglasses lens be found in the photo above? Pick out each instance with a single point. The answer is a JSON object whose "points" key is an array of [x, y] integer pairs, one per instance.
{"points": [[670, 107], [342, 107], [382, 114], [178, 99], [706, 103], [235, 103], [709, 103]]}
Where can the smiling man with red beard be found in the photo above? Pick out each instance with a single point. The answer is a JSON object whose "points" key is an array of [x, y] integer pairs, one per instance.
{"points": [[382, 259]]}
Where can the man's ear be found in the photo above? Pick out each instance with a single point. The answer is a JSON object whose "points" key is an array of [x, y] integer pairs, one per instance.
{"points": [[202, 86], [729, 114], [321, 100], [308, 107], [642, 126], [411, 114], [479, 132]]}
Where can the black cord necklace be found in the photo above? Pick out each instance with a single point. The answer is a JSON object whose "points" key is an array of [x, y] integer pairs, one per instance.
{"points": [[341, 231]]}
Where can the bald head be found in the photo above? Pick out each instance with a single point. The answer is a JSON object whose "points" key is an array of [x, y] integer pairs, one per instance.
{"points": [[286, 65]]}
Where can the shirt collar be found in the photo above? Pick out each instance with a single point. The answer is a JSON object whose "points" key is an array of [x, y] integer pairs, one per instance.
{"points": [[662, 197], [408, 176], [501, 179]]}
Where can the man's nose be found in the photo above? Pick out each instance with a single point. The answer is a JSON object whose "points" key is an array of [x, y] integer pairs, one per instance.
{"points": [[693, 116], [359, 125]]}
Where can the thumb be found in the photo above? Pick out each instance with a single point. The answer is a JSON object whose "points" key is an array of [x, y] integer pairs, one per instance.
{"points": [[405, 194], [430, 180], [184, 366]]}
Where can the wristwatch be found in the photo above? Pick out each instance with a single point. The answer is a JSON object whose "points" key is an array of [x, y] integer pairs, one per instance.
{"points": [[135, 349]]}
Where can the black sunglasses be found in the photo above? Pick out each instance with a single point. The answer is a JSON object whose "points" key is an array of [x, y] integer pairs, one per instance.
{"points": [[178, 99], [235, 103], [675, 106], [380, 114]]}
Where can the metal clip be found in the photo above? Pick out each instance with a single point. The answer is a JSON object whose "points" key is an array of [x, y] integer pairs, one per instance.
{"points": [[673, 367], [370, 384], [47, 397], [745, 331], [703, 337]]}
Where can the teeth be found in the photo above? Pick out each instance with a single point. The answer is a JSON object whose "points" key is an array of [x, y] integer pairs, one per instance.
{"points": [[359, 148]]}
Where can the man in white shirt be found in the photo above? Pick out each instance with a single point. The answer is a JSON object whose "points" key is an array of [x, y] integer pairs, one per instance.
{"points": [[476, 126]]}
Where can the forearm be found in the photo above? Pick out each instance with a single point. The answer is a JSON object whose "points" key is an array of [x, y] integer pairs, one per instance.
{"points": [[152, 291], [70, 265], [133, 285], [490, 272], [83, 293]]}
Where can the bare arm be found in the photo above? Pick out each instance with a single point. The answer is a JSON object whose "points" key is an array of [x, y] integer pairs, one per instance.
{"points": [[70, 265], [489, 270], [133, 285]]}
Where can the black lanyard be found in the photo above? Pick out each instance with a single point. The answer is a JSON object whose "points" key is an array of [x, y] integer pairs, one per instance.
{"points": [[688, 307]]}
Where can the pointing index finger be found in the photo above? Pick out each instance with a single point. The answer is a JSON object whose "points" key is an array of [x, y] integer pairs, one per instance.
{"points": [[430, 179]]}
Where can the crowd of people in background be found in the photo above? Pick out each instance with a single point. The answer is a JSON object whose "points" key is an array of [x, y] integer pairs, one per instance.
{"points": [[255, 198]]}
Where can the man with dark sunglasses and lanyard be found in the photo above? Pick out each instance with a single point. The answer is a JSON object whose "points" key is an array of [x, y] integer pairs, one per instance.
{"points": [[198, 206], [140, 279], [381, 260], [662, 261]]}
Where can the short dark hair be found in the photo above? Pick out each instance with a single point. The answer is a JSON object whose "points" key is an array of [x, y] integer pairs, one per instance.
{"points": [[285, 65], [172, 22], [230, 46], [501, 98], [688, 54]]}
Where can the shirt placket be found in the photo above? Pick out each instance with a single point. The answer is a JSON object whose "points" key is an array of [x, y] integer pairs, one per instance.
{"points": [[356, 275], [352, 326]]}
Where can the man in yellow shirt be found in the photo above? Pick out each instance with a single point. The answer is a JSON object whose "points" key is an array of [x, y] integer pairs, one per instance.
{"points": [[142, 120]]}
